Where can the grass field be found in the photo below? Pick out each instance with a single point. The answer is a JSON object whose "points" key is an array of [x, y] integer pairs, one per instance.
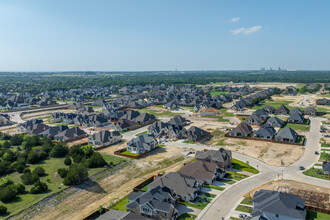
{"points": [[120, 205], [214, 93], [235, 176], [247, 201], [240, 165], [311, 215], [129, 153], [53, 180], [159, 113], [214, 187], [298, 127], [317, 173], [187, 216], [220, 118], [243, 208], [227, 181]]}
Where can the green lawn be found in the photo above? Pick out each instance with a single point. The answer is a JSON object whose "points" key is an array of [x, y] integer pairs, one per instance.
{"points": [[188, 142], [317, 173], [187, 216], [214, 93], [247, 201], [243, 208], [159, 113], [237, 176], [210, 195], [129, 153], [214, 187], [228, 181], [141, 133], [325, 145], [311, 215], [240, 165], [120, 205], [224, 112], [274, 104], [298, 127], [220, 118], [198, 205], [52, 179]]}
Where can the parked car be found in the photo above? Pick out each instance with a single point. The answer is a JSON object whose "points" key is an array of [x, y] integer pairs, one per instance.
{"points": [[317, 153], [243, 216], [301, 168]]}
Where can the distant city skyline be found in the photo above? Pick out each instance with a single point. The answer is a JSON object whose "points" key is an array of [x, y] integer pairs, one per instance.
{"points": [[153, 35]]}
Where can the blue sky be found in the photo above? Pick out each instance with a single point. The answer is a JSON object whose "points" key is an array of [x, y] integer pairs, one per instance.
{"points": [[137, 35]]}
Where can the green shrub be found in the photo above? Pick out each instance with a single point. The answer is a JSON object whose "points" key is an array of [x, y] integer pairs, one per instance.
{"points": [[39, 171], [29, 178], [20, 189], [39, 187], [62, 172], [59, 150], [3, 210], [67, 161], [8, 194], [77, 173]]}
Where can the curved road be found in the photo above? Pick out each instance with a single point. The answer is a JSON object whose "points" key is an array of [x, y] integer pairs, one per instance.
{"points": [[222, 205]]}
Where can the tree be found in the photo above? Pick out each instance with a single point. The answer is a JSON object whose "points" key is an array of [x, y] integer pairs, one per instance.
{"points": [[39, 187], [16, 140], [6, 144], [62, 172], [20, 189], [59, 150], [67, 161], [39, 171], [33, 157], [96, 160], [20, 168], [3, 210], [77, 173], [29, 178], [7, 194]]}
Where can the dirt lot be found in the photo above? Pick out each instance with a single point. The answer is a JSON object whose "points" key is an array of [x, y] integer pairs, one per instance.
{"points": [[313, 195], [112, 188], [271, 153]]}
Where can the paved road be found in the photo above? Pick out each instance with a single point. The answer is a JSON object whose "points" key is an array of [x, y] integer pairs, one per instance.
{"points": [[218, 208]]}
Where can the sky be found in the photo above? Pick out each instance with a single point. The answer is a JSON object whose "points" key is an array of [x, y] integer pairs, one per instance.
{"points": [[147, 35]]}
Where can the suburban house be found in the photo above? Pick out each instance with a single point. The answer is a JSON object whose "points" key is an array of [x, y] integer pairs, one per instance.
{"points": [[178, 120], [26, 126], [104, 138], [5, 120], [70, 134], [269, 109], [261, 113], [203, 170], [156, 203], [277, 205], [145, 118], [296, 117], [194, 134], [142, 143], [242, 130], [275, 122], [323, 101], [222, 158], [130, 115], [282, 110], [326, 168], [265, 132], [36, 129], [187, 188], [310, 111], [124, 125], [171, 106], [296, 109], [52, 131], [253, 120], [286, 135]]}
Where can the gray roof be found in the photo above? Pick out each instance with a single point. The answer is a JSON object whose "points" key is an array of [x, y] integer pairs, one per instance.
{"points": [[178, 120], [282, 110], [243, 128], [275, 121], [296, 116], [288, 133], [283, 204], [113, 215], [105, 136], [182, 185], [220, 155], [142, 140], [265, 130], [296, 109]]}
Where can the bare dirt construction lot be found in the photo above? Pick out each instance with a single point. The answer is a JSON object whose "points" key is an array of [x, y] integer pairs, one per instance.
{"points": [[113, 187], [273, 154], [314, 196]]}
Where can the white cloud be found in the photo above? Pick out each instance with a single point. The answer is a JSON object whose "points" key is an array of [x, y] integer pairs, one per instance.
{"points": [[246, 31], [234, 19]]}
